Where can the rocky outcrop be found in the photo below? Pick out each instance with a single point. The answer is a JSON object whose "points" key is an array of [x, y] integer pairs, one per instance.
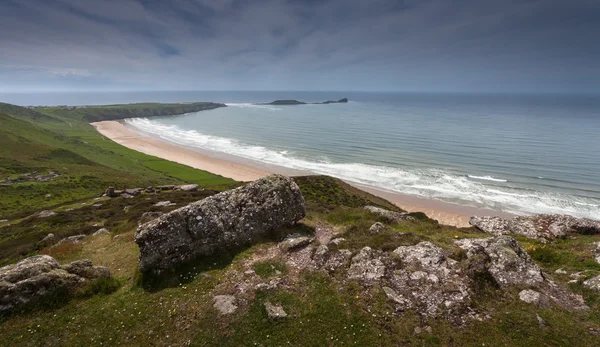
{"points": [[72, 239], [504, 258], [593, 283], [100, 232], [41, 276], [541, 226], [366, 266], [390, 215], [220, 222], [428, 282]]}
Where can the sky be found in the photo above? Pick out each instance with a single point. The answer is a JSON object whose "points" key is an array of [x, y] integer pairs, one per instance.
{"points": [[355, 45]]}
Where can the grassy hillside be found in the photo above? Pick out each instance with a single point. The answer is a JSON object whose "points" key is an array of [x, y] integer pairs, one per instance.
{"points": [[58, 140], [114, 112], [323, 310]]}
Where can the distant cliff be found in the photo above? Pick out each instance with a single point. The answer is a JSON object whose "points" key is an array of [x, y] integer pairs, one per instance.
{"points": [[296, 102]]}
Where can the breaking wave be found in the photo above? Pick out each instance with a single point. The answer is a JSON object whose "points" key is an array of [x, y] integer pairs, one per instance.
{"points": [[487, 178], [431, 183]]}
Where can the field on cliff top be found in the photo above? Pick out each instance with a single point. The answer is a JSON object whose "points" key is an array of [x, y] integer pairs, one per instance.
{"points": [[73, 165]]}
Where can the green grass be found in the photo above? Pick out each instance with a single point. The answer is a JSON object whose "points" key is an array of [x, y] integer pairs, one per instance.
{"points": [[58, 139], [269, 268]]}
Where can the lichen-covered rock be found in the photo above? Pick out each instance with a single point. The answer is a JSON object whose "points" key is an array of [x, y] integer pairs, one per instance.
{"points": [[48, 240], [596, 252], [376, 228], [428, 281], [390, 215], [275, 312], [221, 222], [541, 226], [531, 296], [295, 242], [188, 187], [41, 276], [321, 255], [366, 267], [149, 216], [100, 232], [504, 258], [225, 304], [72, 239], [46, 214], [592, 283], [166, 203]]}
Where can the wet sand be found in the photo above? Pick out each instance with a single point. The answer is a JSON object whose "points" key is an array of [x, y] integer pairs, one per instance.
{"points": [[241, 169]]}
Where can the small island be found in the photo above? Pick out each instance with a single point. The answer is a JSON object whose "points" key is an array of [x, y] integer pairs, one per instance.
{"points": [[296, 102]]}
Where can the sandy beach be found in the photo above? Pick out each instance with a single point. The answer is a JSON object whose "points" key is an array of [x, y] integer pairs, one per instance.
{"points": [[244, 170]]}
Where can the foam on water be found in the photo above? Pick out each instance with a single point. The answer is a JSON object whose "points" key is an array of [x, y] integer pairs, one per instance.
{"points": [[487, 178], [430, 183]]}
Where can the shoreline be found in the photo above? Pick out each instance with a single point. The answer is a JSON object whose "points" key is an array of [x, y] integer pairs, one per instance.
{"points": [[241, 169]]}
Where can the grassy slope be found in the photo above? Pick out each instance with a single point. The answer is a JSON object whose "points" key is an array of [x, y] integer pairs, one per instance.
{"points": [[60, 140], [322, 311]]}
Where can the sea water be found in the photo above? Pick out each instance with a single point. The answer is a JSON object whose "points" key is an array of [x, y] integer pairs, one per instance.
{"points": [[516, 153]]}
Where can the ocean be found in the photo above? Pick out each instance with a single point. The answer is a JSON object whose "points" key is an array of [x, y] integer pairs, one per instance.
{"points": [[520, 154]]}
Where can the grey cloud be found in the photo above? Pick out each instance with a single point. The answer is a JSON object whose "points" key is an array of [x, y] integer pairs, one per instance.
{"points": [[414, 45]]}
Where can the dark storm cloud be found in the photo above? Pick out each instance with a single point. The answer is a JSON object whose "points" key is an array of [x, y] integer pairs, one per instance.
{"points": [[413, 45]]}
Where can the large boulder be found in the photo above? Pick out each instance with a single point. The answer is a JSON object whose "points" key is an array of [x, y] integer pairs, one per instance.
{"points": [[541, 226], [505, 260], [218, 223], [41, 276]]}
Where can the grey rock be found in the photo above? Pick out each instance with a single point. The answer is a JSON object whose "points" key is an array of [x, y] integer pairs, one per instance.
{"points": [[164, 204], [376, 228], [127, 208], [41, 276], [366, 267], [46, 213], [390, 215], [188, 187], [3, 220], [110, 192], [429, 282], [48, 240], [225, 304], [133, 192], [220, 222], [275, 312], [560, 272], [337, 260], [149, 216], [541, 322], [72, 239], [100, 232], [542, 226], [337, 240], [596, 252], [592, 283], [504, 258], [321, 255], [295, 242], [530, 296]]}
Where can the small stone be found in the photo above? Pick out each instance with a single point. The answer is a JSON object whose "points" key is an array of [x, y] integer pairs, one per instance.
{"points": [[337, 241], [188, 188], [530, 296], [97, 205], [376, 228], [275, 311], [295, 242], [593, 283], [164, 204], [560, 272], [541, 322], [46, 213], [225, 304], [101, 231], [72, 239]]}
